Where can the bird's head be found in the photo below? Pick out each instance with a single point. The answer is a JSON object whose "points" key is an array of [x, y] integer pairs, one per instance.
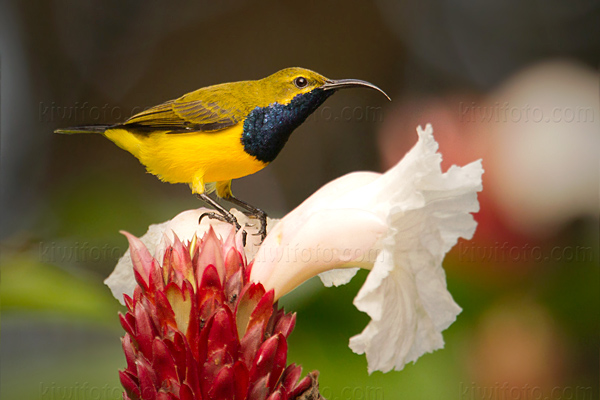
{"points": [[288, 83], [283, 101]]}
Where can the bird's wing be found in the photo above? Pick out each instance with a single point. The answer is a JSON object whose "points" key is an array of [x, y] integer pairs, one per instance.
{"points": [[182, 115]]}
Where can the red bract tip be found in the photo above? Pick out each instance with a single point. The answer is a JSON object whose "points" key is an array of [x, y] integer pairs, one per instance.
{"points": [[143, 262], [234, 263], [181, 261], [270, 360], [284, 323], [277, 395], [290, 377], [162, 361], [210, 252], [199, 330]]}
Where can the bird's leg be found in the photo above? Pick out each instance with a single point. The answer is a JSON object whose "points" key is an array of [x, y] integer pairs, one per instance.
{"points": [[223, 214], [257, 212]]}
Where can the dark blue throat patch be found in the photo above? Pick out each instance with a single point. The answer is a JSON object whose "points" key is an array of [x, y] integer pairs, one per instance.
{"points": [[267, 129]]}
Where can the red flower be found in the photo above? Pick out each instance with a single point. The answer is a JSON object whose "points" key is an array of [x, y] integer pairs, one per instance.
{"points": [[197, 328]]}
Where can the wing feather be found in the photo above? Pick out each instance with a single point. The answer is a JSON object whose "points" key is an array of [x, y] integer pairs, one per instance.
{"points": [[183, 115]]}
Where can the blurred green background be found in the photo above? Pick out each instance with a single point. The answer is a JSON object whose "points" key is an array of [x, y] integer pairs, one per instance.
{"points": [[512, 82]]}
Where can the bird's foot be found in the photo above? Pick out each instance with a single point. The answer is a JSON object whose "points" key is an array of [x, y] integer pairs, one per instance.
{"points": [[252, 211], [262, 218], [229, 218]]}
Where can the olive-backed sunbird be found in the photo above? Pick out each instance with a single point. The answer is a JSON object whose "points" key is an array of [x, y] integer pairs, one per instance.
{"points": [[218, 133]]}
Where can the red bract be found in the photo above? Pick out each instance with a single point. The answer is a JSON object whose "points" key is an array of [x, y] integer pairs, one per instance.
{"points": [[197, 328]]}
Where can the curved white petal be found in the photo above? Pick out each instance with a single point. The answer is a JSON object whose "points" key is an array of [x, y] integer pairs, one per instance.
{"points": [[325, 240]]}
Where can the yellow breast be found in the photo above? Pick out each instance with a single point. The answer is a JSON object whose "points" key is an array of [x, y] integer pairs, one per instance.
{"points": [[187, 157]]}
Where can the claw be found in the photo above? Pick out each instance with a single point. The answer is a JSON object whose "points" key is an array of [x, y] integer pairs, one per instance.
{"points": [[263, 226], [212, 215]]}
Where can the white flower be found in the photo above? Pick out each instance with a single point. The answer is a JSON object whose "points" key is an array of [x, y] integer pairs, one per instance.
{"points": [[399, 225]]}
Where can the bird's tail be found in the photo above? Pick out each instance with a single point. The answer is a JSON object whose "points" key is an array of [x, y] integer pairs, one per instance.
{"points": [[83, 129]]}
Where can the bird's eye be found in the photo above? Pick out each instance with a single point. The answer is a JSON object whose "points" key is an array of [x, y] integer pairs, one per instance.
{"points": [[300, 82]]}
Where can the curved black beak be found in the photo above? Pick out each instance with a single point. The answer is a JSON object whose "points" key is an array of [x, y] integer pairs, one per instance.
{"points": [[334, 84]]}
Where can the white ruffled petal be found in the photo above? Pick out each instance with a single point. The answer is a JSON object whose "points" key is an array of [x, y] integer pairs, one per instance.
{"points": [[389, 297], [405, 294]]}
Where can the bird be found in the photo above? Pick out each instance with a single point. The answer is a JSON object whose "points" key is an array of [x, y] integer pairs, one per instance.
{"points": [[208, 137]]}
